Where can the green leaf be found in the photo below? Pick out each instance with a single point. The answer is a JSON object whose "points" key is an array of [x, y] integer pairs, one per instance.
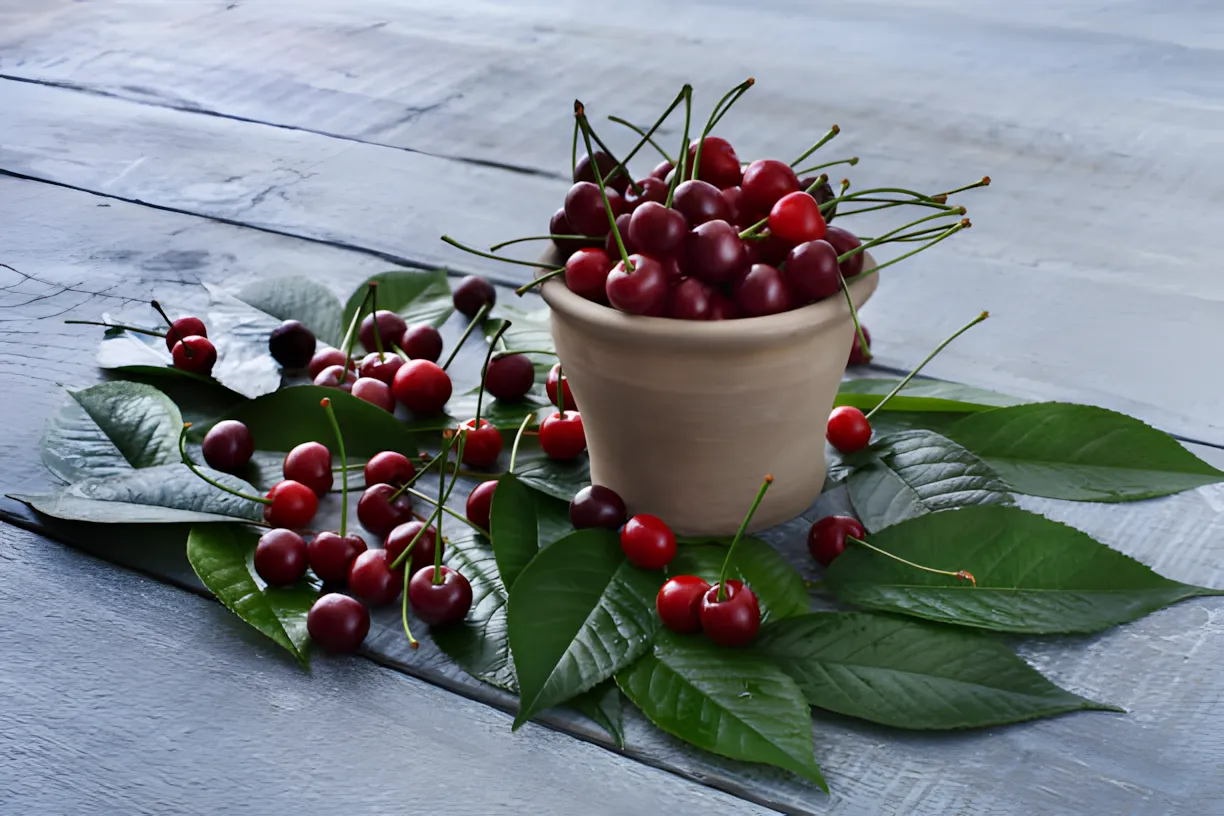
{"points": [[506, 416], [1081, 453], [479, 643], [296, 298], [728, 701], [165, 494], [221, 556], [418, 297], [778, 586], [602, 704], [1033, 574], [122, 351], [912, 473], [528, 331], [515, 531], [552, 477], [240, 332], [578, 613], [909, 674], [921, 395], [552, 518]]}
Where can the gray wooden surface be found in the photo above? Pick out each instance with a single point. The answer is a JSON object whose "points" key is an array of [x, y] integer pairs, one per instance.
{"points": [[334, 141]]}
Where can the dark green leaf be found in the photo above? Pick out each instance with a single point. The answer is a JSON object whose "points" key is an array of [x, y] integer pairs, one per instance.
{"points": [[418, 297], [578, 613], [515, 532], [1081, 453], [552, 518], [778, 586], [552, 477], [921, 395], [529, 331], [296, 298], [240, 332], [728, 701], [602, 704], [912, 473], [221, 556], [1033, 574], [909, 674], [479, 643]]}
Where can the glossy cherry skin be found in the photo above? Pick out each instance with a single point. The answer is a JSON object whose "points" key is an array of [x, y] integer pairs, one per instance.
{"points": [[557, 386], [372, 580], [326, 358], [735, 620], [811, 271], [597, 506], [700, 201], [560, 225], [311, 464], [338, 623], [331, 556], [421, 343], [648, 542], [795, 217], [375, 392], [766, 181], [848, 429], [719, 164], [509, 377], [584, 209], [823, 195], [827, 538], [622, 229], [228, 445], [652, 189], [714, 253], [642, 291], [182, 328], [380, 368], [390, 329], [583, 171], [679, 603], [859, 355], [763, 291], [773, 249], [844, 241], [389, 467], [336, 377], [662, 169], [481, 446], [690, 299], [440, 604], [734, 197], [195, 354], [292, 345], [280, 557], [480, 504], [472, 294], [724, 308], [422, 386], [586, 274], [423, 552], [657, 230], [293, 504], [562, 435], [378, 513]]}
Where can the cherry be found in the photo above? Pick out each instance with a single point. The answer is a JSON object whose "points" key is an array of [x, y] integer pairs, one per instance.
{"points": [[421, 342], [423, 552], [560, 225], [657, 230], [183, 328], [597, 506], [844, 241], [827, 538], [482, 445], [331, 556], [859, 356], [653, 189], [699, 202], [733, 621], [586, 274], [662, 169], [714, 253], [583, 171], [811, 271], [679, 603], [389, 467], [719, 164], [558, 380], [196, 354], [823, 195], [734, 196], [292, 345], [641, 291], [381, 368], [228, 445], [796, 217], [310, 463], [562, 435], [763, 291], [280, 557], [378, 513], [622, 229], [648, 542], [752, 251], [336, 377], [375, 392], [766, 181], [326, 358], [584, 208], [293, 504], [773, 249], [443, 603], [423, 386], [480, 504], [372, 580], [848, 429], [472, 294], [390, 328], [689, 300], [509, 377], [724, 308], [338, 623]]}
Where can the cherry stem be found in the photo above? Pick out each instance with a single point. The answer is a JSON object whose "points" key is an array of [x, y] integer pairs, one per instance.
{"points": [[473, 251], [518, 437], [162, 312], [926, 360], [377, 332], [641, 133], [404, 607], [574, 153], [963, 575], [192, 467], [442, 499], [716, 114], [467, 332], [917, 235], [845, 185], [450, 512], [825, 139], [403, 354], [503, 244], [149, 332], [752, 231], [424, 469], [506, 351], [331, 418], [432, 518], [484, 370], [984, 181], [678, 170], [624, 165], [620, 165], [853, 160], [352, 331], [858, 326], [899, 190], [538, 281], [743, 88], [888, 204], [726, 567], [866, 245], [950, 231], [580, 115]]}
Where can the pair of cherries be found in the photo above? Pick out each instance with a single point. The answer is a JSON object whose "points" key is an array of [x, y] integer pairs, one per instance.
{"points": [[190, 348]]}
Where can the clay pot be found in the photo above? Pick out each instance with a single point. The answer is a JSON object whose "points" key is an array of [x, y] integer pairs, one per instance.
{"points": [[684, 419]]}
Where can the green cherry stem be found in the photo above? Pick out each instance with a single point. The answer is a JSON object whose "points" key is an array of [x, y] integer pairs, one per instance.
{"points": [[574, 153], [149, 332], [442, 475], [403, 354], [853, 160], [963, 575], [726, 567], [170, 323], [682, 157], [916, 235], [538, 281], [716, 114], [192, 467], [351, 334], [858, 327], [418, 494], [472, 250], [825, 139], [984, 181], [467, 332], [503, 244], [404, 603], [624, 165], [484, 371], [888, 204], [866, 245], [620, 166], [580, 115], [424, 469], [739, 90], [442, 499], [641, 133], [926, 360], [518, 437], [948, 233], [335, 426]]}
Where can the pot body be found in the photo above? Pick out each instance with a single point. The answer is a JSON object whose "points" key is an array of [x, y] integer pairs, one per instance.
{"points": [[685, 418]]}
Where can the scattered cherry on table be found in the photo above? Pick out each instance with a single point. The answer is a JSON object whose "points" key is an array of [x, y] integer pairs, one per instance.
{"points": [[562, 435], [331, 555], [479, 505], [388, 467], [472, 294], [280, 557], [827, 537], [228, 446], [372, 580], [422, 386], [733, 621], [379, 513], [509, 377], [679, 603], [311, 464], [442, 603], [848, 429], [338, 623], [597, 506], [423, 551], [482, 445], [196, 354], [292, 345], [293, 505], [648, 542], [422, 342]]}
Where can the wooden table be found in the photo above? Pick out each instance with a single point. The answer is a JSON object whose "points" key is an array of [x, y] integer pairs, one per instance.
{"points": [[148, 146]]}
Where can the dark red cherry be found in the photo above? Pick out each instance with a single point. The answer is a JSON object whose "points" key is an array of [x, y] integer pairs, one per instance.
{"points": [[586, 274], [481, 445], [652, 189], [657, 230], [389, 467], [795, 217], [642, 291], [827, 538], [859, 355], [472, 294], [292, 345], [380, 367], [509, 377], [423, 551], [338, 623], [585, 172], [843, 241], [293, 504], [480, 504], [773, 249], [280, 557], [421, 342], [699, 202], [690, 299], [560, 225], [597, 506], [763, 291], [372, 580], [723, 307], [326, 358], [443, 603], [562, 435], [183, 328], [558, 380], [714, 253], [679, 603], [811, 271], [584, 208], [734, 196], [379, 513], [622, 228], [336, 377], [390, 329], [311, 464], [375, 392], [848, 429], [195, 354], [823, 195], [331, 556], [422, 386], [719, 164], [766, 181], [228, 445], [733, 621], [648, 542], [661, 170]]}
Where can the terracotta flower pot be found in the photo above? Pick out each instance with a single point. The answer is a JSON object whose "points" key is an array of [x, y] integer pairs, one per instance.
{"points": [[684, 419]]}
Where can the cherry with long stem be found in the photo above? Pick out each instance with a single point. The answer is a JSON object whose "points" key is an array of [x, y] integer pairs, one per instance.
{"points": [[726, 567], [573, 167], [444, 494], [467, 332], [170, 323], [963, 575], [716, 114], [580, 115], [825, 139], [754, 230], [442, 476], [182, 446], [678, 171], [926, 360], [335, 426], [484, 371], [620, 166], [624, 165], [639, 131], [149, 332]]}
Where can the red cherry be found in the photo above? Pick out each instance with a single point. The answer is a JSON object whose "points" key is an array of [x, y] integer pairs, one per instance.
{"points": [[562, 435], [766, 181], [338, 623], [700, 202], [423, 386], [481, 445], [689, 300], [653, 189], [811, 271], [843, 241], [586, 274], [622, 229], [380, 368], [292, 345], [421, 343], [584, 208], [423, 552], [375, 392], [293, 504], [648, 542], [440, 604], [560, 225], [724, 308], [583, 171], [733, 621], [642, 291], [280, 557], [763, 291], [773, 249], [859, 356], [795, 217], [714, 253], [196, 354], [228, 445], [331, 556], [326, 358], [509, 377], [848, 429], [335, 377], [597, 506], [378, 513], [661, 170], [734, 196], [480, 503], [311, 464], [558, 380], [472, 294], [827, 538], [372, 580], [390, 329], [657, 230], [679, 603], [719, 164], [389, 467], [183, 328]]}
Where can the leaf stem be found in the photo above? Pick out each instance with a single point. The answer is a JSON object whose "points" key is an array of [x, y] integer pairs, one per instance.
{"points": [[580, 116], [726, 567], [833, 131], [518, 437], [533, 264], [926, 360], [467, 332], [192, 467], [149, 332], [331, 418], [963, 575], [641, 133]]}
